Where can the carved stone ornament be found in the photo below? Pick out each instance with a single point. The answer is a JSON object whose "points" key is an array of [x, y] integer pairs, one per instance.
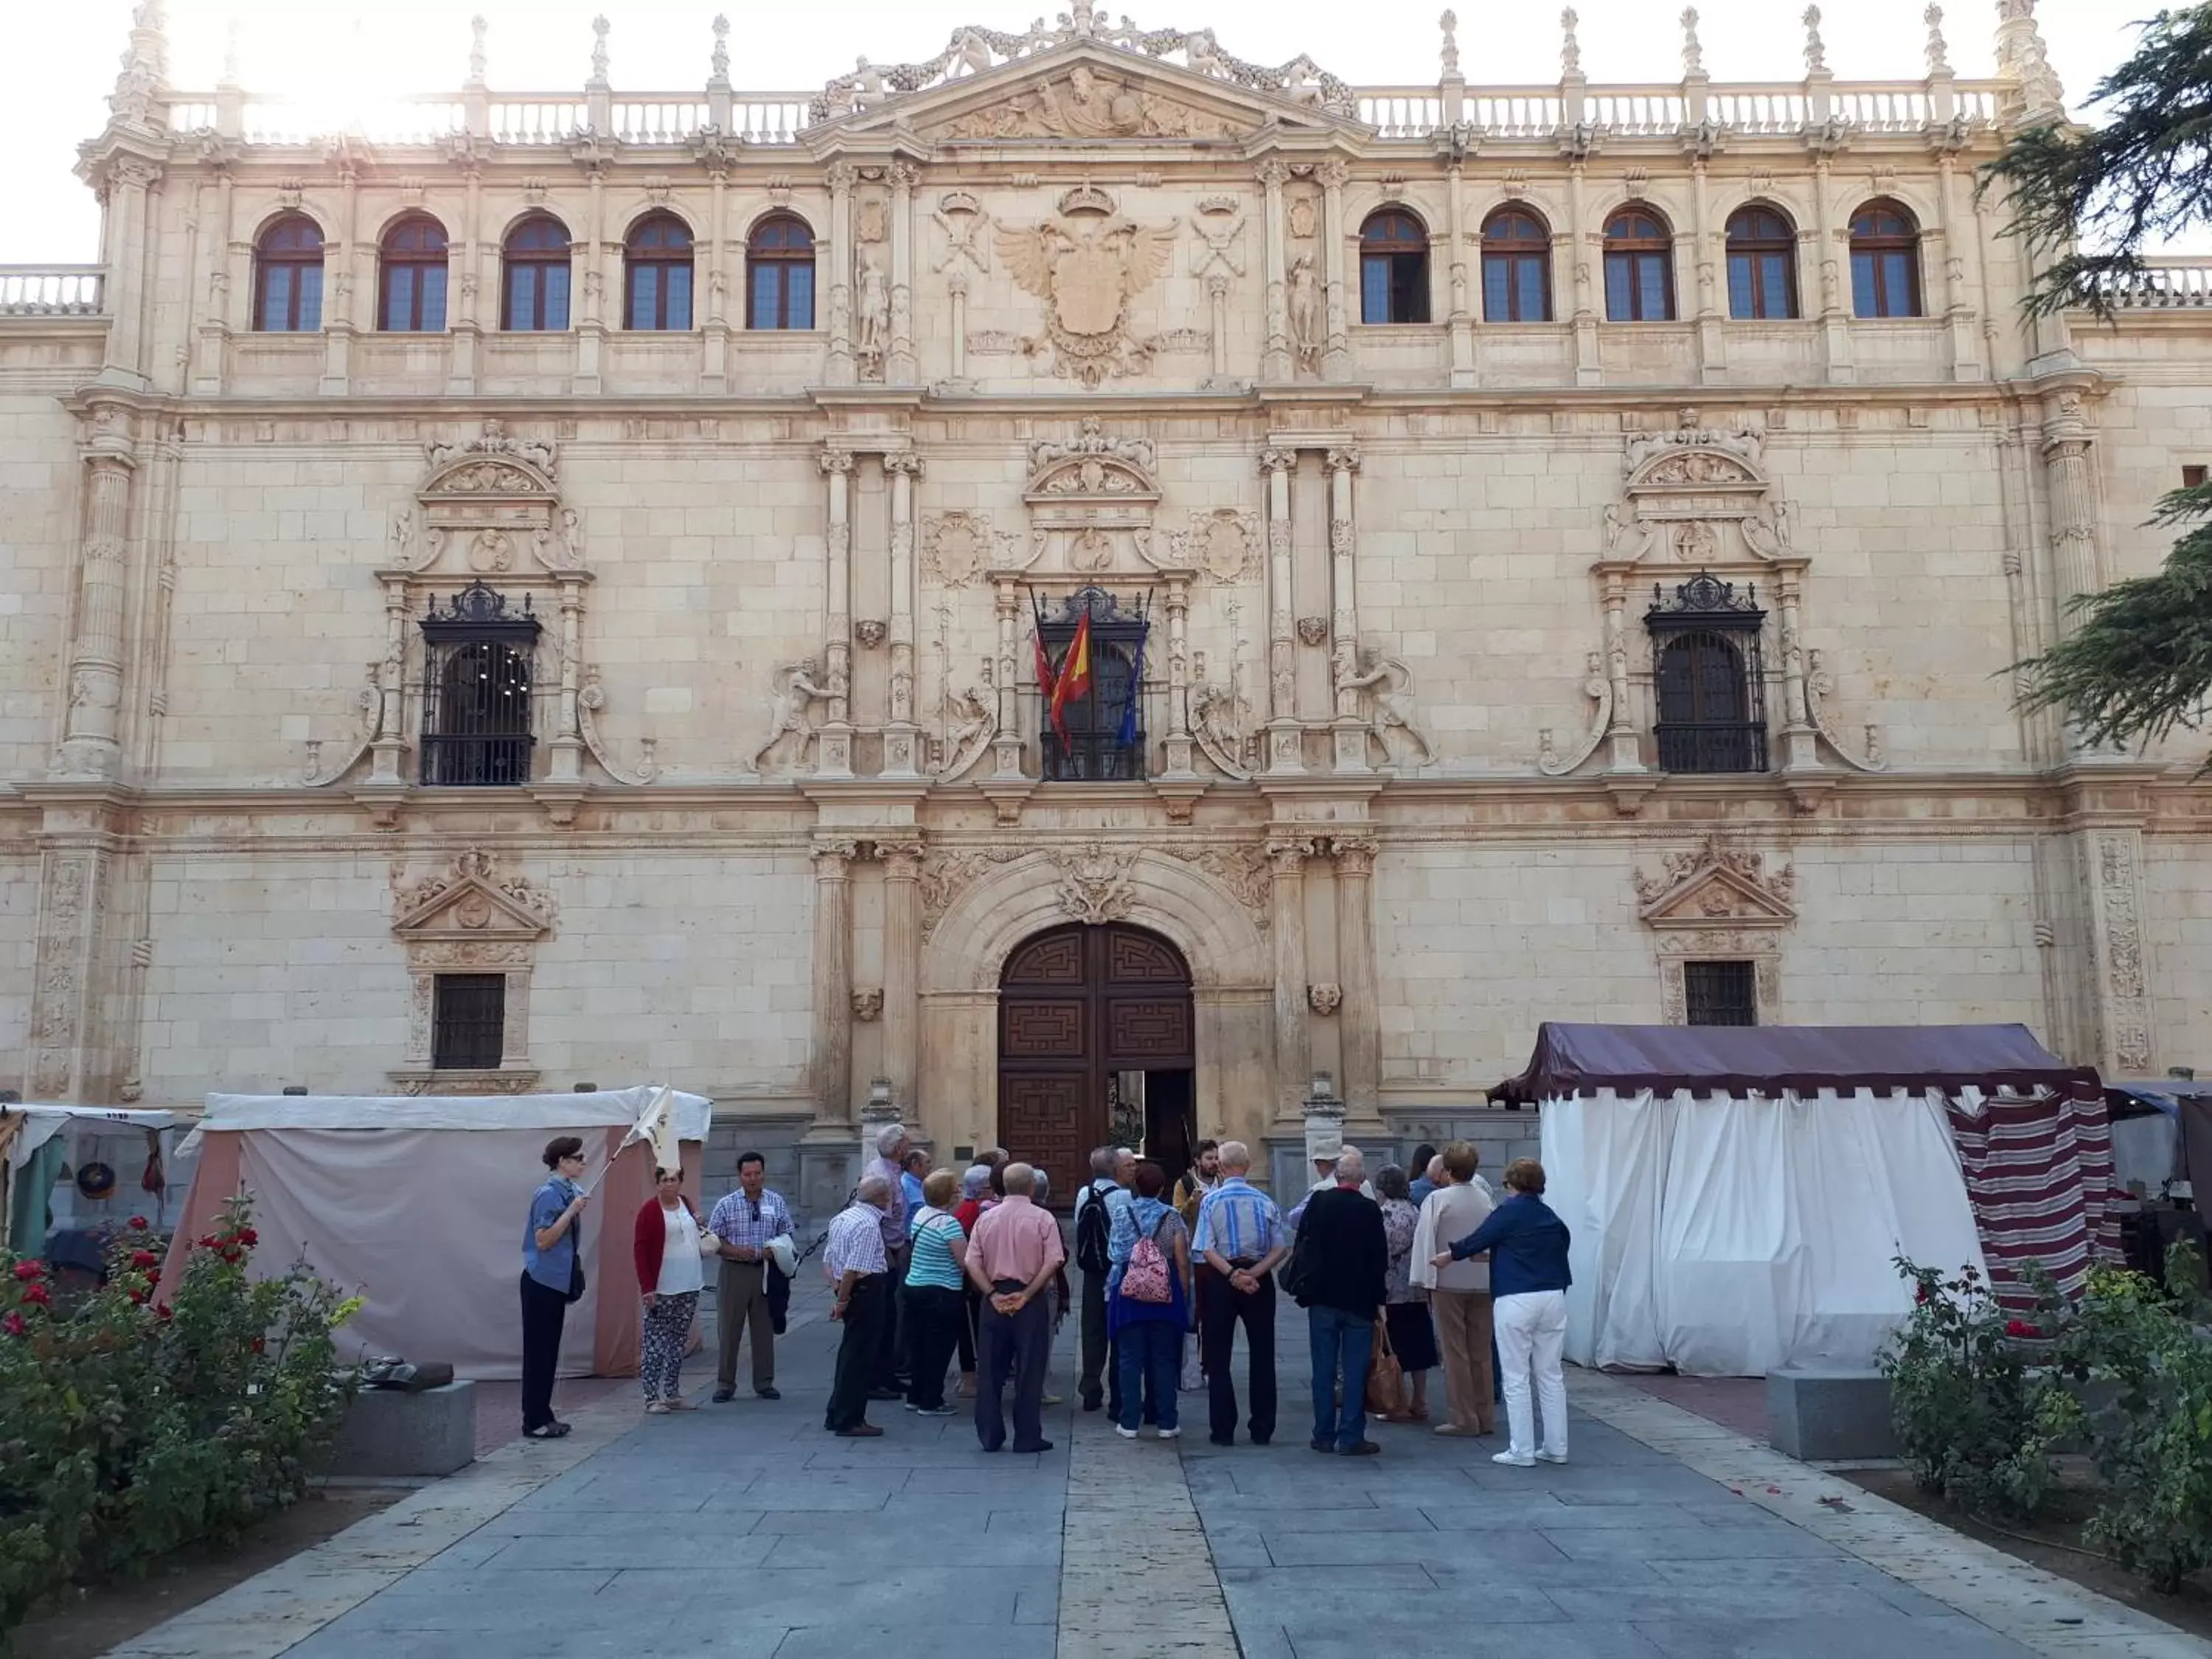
{"points": [[796, 688], [495, 442], [946, 875], [1597, 686], [1314, 630], [1695, 454], [868, 1007], [957, 547], [1087, 265], [591, 697], [1324, 999], [1820, 686], [1246, 871], [871, 635], [470, 901], [1089, 103], [1716, 884], [1095, 884], [1224, 543], [1091, 467], [2126, 983]]}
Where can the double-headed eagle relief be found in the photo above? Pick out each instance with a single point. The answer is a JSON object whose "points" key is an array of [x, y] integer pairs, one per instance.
{"points": [[1086, 264]]}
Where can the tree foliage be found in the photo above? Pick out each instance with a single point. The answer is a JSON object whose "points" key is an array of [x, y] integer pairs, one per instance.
{"points": [[2088, 200]]}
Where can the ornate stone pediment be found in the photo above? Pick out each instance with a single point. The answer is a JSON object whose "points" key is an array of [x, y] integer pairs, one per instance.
{"points": [[468, 904], [1091, 468], [1717, 886]]}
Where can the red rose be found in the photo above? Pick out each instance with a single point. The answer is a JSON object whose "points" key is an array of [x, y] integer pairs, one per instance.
{"points": [[38, 1296], [260, 1345], [13, 1324], [137, 1224], [1919, 1296], [233, 1254], [209, 1241], [26, 1271], [143, 1259], [246, 1236], [2020, 1328], [165, 1312], [138, 1297]]}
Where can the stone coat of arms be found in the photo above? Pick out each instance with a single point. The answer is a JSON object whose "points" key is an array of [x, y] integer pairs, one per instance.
{"points": [[1086, 265]]}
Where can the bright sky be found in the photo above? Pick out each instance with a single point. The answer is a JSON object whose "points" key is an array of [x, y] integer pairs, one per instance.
{"points": [[51, 95]]}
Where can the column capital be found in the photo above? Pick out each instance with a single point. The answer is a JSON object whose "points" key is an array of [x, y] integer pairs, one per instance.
{"points": [[1273, 172], [1288, 857], [903, 463], [833, 855], [834, 458], [1278, 460], [1354, 854], [1344, 458], [902, 859]]}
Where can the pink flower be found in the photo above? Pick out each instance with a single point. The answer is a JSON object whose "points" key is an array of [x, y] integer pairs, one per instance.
{"points": [[26, 1271], [38, 1296], [1920, 1295], [13, 1324]]}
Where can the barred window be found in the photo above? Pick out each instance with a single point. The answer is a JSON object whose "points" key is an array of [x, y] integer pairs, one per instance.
{"points": [[1709, 677], [468, 1029], [478, 671], [1720, 993]]}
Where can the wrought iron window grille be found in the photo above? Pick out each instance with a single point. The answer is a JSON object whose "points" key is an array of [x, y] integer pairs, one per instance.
{"points": [[1720, 993], [479, 672], [1709, 675], [468, 1029], [1106, 723]]}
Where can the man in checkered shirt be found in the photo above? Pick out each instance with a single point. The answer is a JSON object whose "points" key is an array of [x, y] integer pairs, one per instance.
{"points": [[744, 1222]]}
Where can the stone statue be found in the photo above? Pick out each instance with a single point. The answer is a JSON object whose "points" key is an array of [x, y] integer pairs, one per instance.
{"points": [[795, 693], [875, 312], [1305, 312], [1381, 681], [975, 721]]}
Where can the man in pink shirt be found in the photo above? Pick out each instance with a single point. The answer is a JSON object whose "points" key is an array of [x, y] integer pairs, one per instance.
{"points": [[1011, 1260]]}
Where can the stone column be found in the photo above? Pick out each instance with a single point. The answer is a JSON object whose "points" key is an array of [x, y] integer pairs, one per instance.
{"points": [[591, 330], [1800, 749], [91, 733], [1336, 353], [1217, 316], [339, 256], [1284, 754], [901, 862], [1006, 747], [210, 364], [1624, 749], [1461, 316], [834, 757], [566, 761], [462, 310], [901, 738], [714, 374], [832, 978], [842, 369], [1709, 261], [956, 287], [1359, 1032], [1835, 315], [1288, 934], [2073, 505], [1179, 746], [1959, 238], [1351, 732], [900, 368], [2111, 860], [388, 749], [126, 184], [1584, 245], [1275, 356], [73, 884]]}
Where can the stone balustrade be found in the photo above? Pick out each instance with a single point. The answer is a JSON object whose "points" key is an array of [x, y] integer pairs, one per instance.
{"points": [[50, 290], [2166, 283]]}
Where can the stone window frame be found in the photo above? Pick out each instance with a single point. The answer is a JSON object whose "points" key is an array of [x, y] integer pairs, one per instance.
{"points": [[470, 920]]}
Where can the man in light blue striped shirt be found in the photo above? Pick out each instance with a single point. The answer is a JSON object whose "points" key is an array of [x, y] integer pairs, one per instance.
{"points": [[1242, 1237]]}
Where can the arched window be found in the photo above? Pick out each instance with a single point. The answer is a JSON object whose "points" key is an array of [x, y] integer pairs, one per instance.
{"points": [[477, 670], [1639, 267], [412, 278], [1517, 268], [780, 274], [288, 277], [657, 271], [1762, 264], [534, 286], [1885, 261], [1394, 268], [1710, 677]]}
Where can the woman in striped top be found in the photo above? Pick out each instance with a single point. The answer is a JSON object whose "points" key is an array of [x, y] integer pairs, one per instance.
{"points": [[937, 1244]]}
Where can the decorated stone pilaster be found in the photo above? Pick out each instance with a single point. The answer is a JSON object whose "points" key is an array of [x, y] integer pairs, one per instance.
{"points": [[1285, 736], [901, 862], [843, 368], [1006, 747], [902, 736], [1349, 730], [1336, 351], [1275, 353], [1623, 742], [832, 1045], [91, 746], [1182, 750], [834, 751], [900, 368], [1799, 740], [1286, 857], [2111, 860], [1359, 1029]]}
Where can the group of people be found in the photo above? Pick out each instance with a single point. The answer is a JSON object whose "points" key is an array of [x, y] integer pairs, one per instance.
{"points": [[926, 1267]]}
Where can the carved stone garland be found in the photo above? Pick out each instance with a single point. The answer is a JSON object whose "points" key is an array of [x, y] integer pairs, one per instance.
{"points": [[470, 919]]}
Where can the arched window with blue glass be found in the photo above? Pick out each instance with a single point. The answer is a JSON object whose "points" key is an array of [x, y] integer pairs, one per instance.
{"points": [[1639, 266], [1394, 268], [1885, 261], [780, 274], [534, 277], [288, 277], [1762, 264], [1517, 267], [411, 276], [657, 273]]}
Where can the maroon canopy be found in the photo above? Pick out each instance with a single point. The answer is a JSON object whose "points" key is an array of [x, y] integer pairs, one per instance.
{"points": [[1733, 1059]]}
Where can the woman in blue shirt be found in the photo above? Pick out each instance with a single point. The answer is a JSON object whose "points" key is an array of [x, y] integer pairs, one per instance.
{"points": [[1529, 1279], [552, 1278]]}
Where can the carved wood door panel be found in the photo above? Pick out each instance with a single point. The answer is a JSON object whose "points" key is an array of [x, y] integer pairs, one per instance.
{"points": [[1076, 1005]]}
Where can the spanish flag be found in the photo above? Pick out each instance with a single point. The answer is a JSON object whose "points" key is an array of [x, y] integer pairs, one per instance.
{"points": [[1074, 677]]}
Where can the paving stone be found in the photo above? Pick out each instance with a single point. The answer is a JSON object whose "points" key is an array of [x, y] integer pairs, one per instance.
{"points": [[1952, 1635]]}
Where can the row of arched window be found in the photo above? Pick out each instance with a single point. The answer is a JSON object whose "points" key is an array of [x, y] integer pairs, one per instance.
{"points": [[1393, 270], [534, 275]]}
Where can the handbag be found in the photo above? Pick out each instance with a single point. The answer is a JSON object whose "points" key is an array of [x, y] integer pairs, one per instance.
{"points": [[1383, 1375], [576, 1277]]}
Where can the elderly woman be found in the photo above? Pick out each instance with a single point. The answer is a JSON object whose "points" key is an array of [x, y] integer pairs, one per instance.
{"points": [[1145, 1318], [552, 1278], [975, 1198], [1405, 1308], [1529, 1279], [665, 1246], [935, 1310]]}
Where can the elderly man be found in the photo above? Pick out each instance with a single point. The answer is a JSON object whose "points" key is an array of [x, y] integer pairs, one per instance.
{"points": [[1241, 1236], [744, 1221], [859, 1277], [888, 1166], [1111, 1171], [1011, 1261], [1342, 1235]]}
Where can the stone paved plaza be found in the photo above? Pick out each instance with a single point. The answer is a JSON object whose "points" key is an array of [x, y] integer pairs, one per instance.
{"points": [[743, 1532]]}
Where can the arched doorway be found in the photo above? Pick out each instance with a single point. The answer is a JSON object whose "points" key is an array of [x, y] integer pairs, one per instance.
{"points": [[1095, 1045]]}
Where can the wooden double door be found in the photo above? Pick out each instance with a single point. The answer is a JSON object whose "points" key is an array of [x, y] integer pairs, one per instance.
{"points": [[1080, 1009]]}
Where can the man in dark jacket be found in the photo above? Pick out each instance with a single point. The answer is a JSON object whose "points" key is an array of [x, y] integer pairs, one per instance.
{"points": [[1344, 1260]]}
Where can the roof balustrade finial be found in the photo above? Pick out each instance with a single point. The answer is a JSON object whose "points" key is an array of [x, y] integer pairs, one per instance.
{"points": [[2023, 59], [1571, 49], [1450, 24], [1694, 53], [1816, 50], [230, 33], [478, 29], [721, 58], [599, 27], [1939, 60], [145, 72]]}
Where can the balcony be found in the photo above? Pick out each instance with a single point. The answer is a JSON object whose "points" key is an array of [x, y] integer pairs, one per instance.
{"points": [[52, 290]]}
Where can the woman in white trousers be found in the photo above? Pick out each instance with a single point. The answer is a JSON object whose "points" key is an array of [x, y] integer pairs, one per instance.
{"points": [[1529, 1279]]}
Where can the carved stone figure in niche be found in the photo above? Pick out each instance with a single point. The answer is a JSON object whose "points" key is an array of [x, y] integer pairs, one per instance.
{"points": [[875, 309], [1381, 681], [1627, 539], [1092, 550], [1305, 312], [1217, 719], [796, 692], [975, 715], [490, 550], [1302, 224]]}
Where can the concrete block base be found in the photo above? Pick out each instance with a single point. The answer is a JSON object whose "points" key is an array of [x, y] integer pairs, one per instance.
{"points": [[388, 1433], [1821, 1416]]}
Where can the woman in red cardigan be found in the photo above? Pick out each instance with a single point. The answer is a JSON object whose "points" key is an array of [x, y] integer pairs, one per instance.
{"points": [[669, 1279]]}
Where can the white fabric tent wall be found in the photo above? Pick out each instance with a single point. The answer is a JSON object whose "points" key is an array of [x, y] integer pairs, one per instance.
{"points": [[1729, 1235]]}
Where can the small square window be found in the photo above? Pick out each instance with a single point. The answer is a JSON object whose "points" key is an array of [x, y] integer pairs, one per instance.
{"points": [[2192, 478], [468, 1029], [1720, 993]]}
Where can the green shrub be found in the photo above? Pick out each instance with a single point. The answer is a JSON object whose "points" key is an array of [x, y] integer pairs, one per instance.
{"points": [[128, 1427], [1976, 1418]]}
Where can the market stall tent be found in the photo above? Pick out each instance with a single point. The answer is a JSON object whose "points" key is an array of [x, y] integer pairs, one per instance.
{"points": [[417, 1205], [1737, 1194], [41, 1214]]}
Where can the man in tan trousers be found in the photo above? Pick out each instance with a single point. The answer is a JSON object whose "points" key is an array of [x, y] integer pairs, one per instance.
{"points": [[744, 1222], [1459, 1295]]}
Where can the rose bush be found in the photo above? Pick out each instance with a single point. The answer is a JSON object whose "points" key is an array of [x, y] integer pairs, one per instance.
{"points": [[128, 1426]]}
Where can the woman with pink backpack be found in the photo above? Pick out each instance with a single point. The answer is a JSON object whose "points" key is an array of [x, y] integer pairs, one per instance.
{"points": [[1148, 1299]]}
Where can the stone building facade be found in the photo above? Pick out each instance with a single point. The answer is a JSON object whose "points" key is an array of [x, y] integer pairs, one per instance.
{"points": [[540, 589]]}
